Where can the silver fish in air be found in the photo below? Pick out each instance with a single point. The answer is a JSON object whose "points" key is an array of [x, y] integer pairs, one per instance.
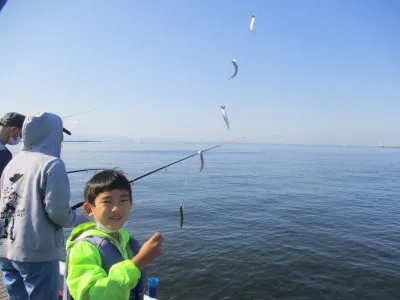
{"points": [[225, 116], [236, 68], [253, 18]]}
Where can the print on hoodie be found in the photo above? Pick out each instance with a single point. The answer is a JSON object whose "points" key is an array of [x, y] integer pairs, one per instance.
{"points": [[8, 213]]}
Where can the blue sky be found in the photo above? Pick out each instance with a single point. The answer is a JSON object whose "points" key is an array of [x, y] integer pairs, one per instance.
{"points": [[317, 71]]}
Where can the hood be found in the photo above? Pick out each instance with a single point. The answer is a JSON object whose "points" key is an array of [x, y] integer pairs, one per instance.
{"points": [[43, 132], [89, 228]]}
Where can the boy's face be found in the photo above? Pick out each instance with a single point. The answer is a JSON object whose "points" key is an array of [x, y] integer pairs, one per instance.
{"points": [[111, 208]]}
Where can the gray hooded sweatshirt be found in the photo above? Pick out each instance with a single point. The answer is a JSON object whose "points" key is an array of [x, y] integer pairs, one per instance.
{"points": [[35, 194]]}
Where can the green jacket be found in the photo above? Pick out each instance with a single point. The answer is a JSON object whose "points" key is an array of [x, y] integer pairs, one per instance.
{"points": [[86, 277]]}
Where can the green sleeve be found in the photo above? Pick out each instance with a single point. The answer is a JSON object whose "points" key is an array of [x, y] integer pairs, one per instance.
{"points": [[88, 280]]}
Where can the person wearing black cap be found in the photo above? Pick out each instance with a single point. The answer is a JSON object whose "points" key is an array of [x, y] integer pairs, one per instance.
{"points": [[34, 209], [10, 133]]}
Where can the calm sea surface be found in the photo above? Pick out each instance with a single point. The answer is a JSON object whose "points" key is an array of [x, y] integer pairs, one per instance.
{"points": [[262, 221]]}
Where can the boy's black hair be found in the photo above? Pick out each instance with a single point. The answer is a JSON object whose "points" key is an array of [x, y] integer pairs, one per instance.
{"points": [[106, 180]]}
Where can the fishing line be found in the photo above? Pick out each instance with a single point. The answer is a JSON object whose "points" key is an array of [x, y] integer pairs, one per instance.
{"points": [[78, 113]]}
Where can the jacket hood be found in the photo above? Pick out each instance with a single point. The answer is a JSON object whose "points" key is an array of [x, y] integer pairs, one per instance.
{"points": [[43, 132]]}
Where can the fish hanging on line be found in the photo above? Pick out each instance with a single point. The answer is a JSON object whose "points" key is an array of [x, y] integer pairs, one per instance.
{"points": [[201, 160], [181, 213], [253, 19], [225, 116], [236, 68]]}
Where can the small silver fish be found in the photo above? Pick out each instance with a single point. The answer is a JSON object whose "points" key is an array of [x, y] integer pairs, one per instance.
{"points": [[225, 116], [181, 214], [253, 18], [201, 160], [236, 68]]}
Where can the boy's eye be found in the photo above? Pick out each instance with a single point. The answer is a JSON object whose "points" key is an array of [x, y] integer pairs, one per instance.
{"points": [[124, 200], [106, 202]]}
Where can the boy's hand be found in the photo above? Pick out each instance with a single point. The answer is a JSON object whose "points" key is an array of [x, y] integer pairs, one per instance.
{"points": [[149, 251]]}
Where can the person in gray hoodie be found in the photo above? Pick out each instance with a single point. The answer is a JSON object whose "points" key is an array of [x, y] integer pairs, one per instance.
{"points": [[34, 208]]}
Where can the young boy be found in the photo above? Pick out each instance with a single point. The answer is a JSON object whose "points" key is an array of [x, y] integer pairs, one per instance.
{"points": [[103, 261]]}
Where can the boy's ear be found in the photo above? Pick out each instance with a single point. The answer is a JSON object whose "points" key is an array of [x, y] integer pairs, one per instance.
{"points": [[88, 209]]}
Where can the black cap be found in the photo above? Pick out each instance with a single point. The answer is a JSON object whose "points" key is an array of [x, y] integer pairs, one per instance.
{"points": [[66, 131], [12, 119]]}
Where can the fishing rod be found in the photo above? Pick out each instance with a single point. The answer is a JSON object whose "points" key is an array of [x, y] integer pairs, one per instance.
{"points": [[163, 167], [175, 162], [78, 113], [84, 170]]}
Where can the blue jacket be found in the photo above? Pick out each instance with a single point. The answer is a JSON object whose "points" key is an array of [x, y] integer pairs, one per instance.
{"points": [[5, 157]]}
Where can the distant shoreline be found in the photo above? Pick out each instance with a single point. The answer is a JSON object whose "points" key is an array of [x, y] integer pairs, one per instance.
{"points": [[395, 147], [83, 141]]}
